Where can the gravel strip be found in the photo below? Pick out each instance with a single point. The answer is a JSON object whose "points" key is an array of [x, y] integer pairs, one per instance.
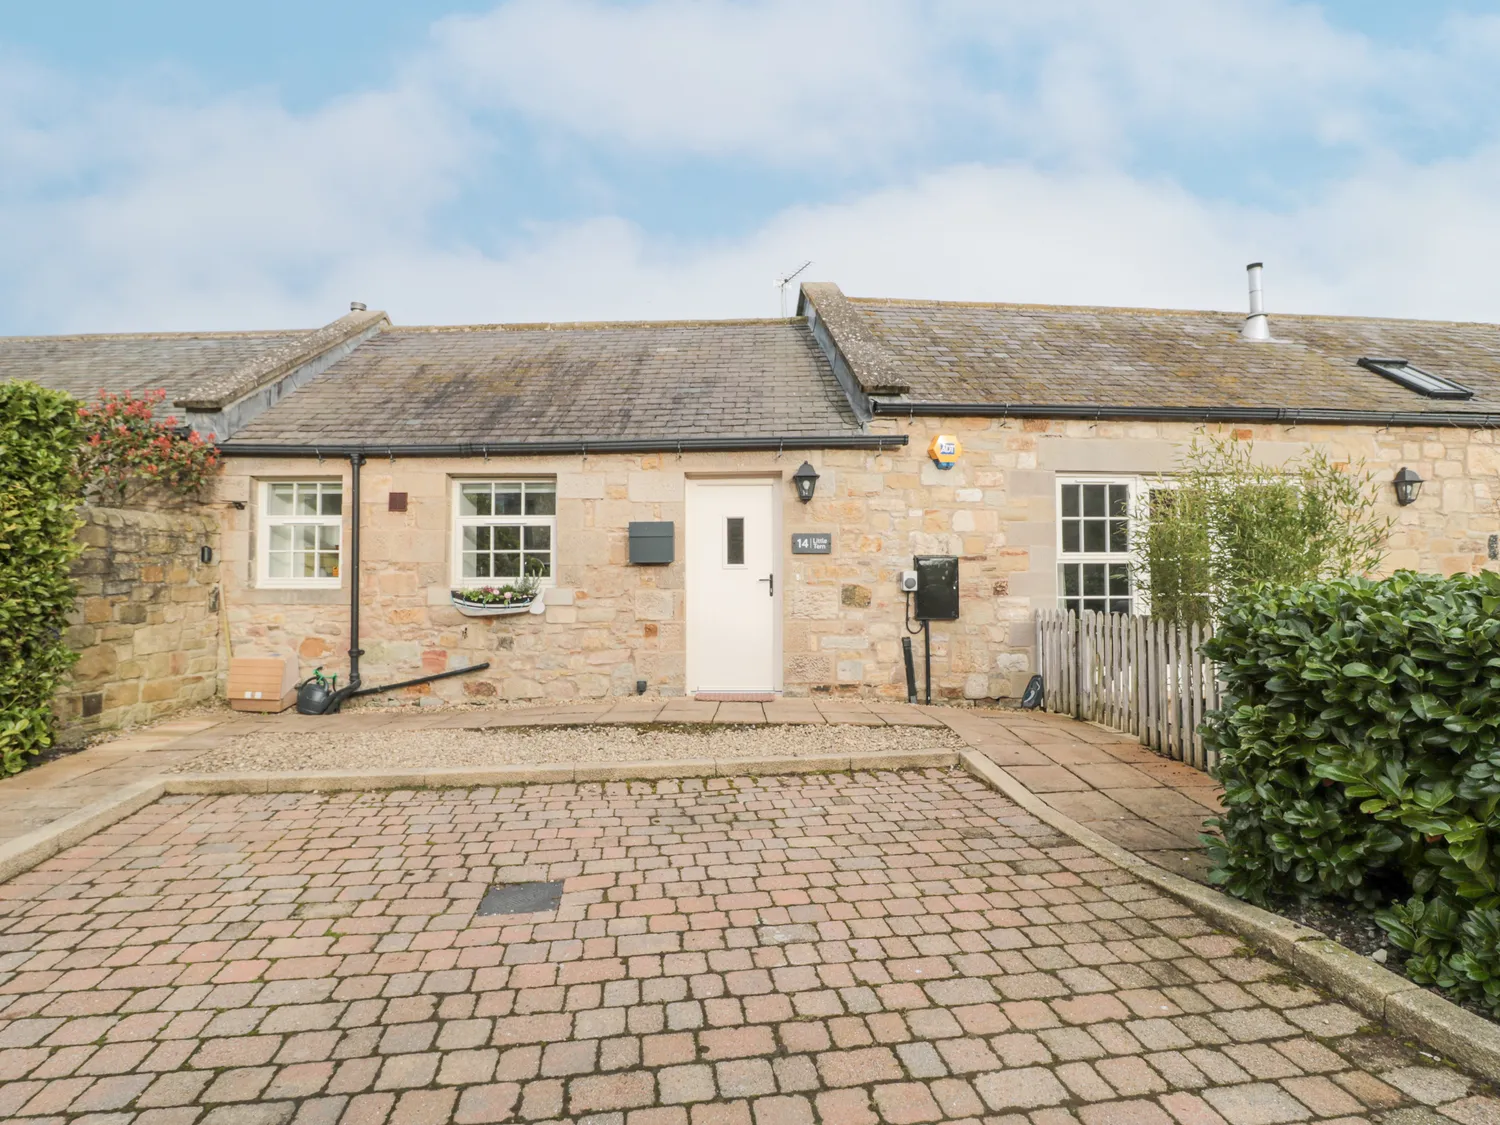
{"points": [[436, 749]]}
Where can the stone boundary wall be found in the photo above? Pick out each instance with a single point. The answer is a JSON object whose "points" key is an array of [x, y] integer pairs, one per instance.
{"points": [[146, 623]]}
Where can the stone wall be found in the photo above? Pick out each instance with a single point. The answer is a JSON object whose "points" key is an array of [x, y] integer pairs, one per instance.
{"points": [[608, 624], [146, 624]]}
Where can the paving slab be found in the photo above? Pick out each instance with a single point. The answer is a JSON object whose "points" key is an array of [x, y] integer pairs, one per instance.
{"points": [[1158, 803], [1048, 779], [1189, 829], [906, 717], [688, 711], [1116, 775], [1088, 806], [1011, 754], [1190, 862], [857, 718], [1075, 753], [792, 712], [735, 712], [1210, 798], [1141, 835], [1134, 753], [631, 713]]}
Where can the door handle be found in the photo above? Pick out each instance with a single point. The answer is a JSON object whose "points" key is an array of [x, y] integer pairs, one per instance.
{"points": [[771, 578]]}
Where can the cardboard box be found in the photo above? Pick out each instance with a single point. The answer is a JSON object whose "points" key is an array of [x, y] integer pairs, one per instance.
{"points": [[262, 683]]}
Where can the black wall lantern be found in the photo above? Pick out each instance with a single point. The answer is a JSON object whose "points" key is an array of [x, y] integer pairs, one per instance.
{"points": [[1408, 486], [806, 480]]}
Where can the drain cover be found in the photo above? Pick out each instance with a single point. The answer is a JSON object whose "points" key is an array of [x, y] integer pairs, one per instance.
{"points": [[522, 898]]}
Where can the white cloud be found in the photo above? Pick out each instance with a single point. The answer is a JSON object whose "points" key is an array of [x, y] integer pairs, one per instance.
{"points": [[120, 209], [1182, 65], [857, 81], [1408, 242], [782, 80], [136, 212]]}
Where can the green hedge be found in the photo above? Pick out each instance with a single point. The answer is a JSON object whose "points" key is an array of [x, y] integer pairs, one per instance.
{"points": [[39, 494], [1359, 744]]}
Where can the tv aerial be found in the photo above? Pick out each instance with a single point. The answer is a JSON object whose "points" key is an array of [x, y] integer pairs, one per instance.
{"points": [[783, 282]]}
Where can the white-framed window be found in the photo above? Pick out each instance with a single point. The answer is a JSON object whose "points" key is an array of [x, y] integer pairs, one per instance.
{"points": [[1094, 559], [504, 530], [302, 532]]}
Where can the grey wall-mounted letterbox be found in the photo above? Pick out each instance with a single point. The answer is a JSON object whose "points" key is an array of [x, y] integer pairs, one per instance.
{"points": [[651, 543]]}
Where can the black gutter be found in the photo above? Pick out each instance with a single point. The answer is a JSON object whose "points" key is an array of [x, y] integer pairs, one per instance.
{"points": [[1286, 415], [874, 442]]}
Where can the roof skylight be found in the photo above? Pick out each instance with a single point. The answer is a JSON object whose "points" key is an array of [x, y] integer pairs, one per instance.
{"points": [[1413, 378]]}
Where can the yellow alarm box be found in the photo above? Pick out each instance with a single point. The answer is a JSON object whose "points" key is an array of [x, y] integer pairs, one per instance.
{"points": [[944, 449]]}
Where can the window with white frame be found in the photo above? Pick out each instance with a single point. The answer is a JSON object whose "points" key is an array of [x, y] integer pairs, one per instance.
{"points": [[505, 530], [302, 526], [1094, 533]]}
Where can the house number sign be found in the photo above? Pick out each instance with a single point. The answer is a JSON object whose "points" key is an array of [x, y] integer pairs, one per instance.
{"points": [[814, 544]]}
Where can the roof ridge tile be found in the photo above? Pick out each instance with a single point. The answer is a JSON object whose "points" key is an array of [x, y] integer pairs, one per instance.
{"points": [[593, 325], [224, 334], [228, 386], [1023, 306]]}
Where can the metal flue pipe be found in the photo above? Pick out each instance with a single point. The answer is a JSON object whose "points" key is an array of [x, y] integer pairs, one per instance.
{"points": [[1256, 327]]}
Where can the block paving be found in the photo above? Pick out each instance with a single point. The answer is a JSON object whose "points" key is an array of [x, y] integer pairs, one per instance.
{"points": [[1146, 803], [844, 949]]}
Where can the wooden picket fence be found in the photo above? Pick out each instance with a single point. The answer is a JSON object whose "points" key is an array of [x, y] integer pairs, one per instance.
{"points": [[1135, 674]]}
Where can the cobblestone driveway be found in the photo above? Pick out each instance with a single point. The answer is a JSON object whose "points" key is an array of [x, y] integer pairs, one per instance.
{"points": [[899, 948]]}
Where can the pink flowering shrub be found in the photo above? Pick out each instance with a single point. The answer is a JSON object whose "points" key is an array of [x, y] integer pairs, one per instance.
{"points": [[124, 444]]}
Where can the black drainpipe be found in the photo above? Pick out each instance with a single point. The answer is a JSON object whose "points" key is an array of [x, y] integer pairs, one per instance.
{"points": [[324, 704], [355, 652]]}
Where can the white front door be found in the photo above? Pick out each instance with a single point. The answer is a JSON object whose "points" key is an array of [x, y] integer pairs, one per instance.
{"points": [[733, 589]]}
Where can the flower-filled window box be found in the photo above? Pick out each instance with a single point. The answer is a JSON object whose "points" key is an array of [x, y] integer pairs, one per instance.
{"points": [[499, 601]]}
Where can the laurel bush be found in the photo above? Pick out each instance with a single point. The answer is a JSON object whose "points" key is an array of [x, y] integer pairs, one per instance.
{"points": [[1359, 749], [40, 488]]}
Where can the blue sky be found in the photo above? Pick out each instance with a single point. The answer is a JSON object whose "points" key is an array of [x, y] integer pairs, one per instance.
{"points": [[189, 165]]}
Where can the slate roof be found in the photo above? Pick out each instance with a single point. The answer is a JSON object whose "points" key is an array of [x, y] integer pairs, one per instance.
{"points": [[198, 370], [1038, 355], [176, 362], [567, 382]]}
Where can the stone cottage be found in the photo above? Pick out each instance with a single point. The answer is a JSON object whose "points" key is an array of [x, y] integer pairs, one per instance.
{"points": [[651, 476]]}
